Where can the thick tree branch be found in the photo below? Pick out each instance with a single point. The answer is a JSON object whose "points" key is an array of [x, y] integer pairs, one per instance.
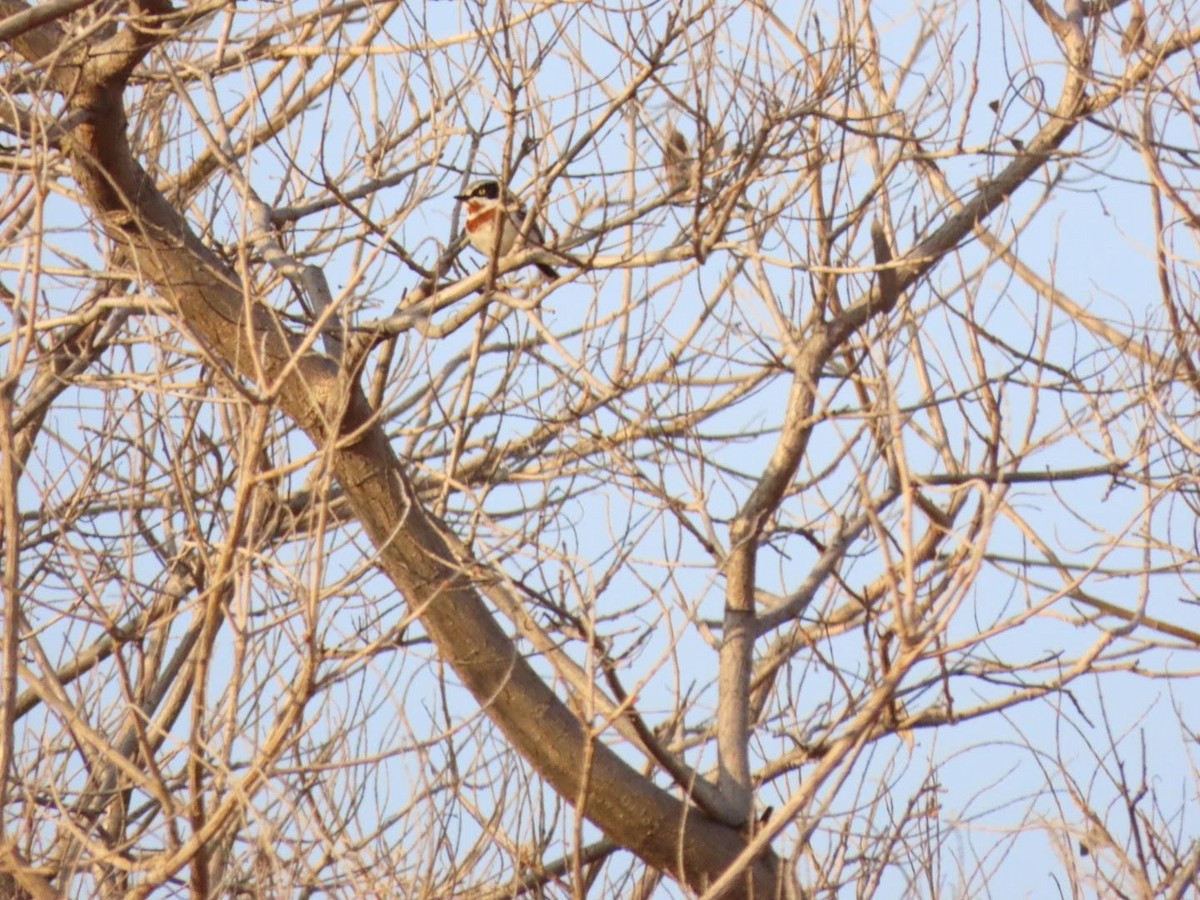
{"points": [[414, 549]]}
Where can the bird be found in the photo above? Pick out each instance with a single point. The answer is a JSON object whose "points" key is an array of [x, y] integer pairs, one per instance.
{"points": [[686, 169], [677, 160], [486, 201]]}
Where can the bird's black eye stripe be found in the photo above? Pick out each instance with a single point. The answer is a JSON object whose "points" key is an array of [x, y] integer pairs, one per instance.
{"points": [[489, 190]]}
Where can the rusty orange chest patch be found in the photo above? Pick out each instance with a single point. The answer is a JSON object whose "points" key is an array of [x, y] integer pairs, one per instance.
{"points": [[477, 220]]}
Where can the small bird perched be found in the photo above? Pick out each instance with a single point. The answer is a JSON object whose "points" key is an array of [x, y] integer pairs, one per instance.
{"points": [[677, 160], [487, 205], [686, 168]]}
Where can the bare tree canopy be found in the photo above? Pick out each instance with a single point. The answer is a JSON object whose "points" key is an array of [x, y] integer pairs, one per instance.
{"points": [[798, 500]]}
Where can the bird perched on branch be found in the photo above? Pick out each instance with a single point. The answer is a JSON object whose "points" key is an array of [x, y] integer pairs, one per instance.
{"points": [[687, 168], [490, 206], [677, 160]]}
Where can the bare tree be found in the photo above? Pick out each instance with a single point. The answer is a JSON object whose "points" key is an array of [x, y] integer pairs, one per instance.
{"points": [[827, 525]]}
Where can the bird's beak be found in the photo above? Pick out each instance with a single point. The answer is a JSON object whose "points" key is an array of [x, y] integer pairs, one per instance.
{"points": [[461, 197]]}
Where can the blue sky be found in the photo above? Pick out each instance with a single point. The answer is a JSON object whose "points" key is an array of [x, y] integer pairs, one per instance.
{"points": [[998, 780]]}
